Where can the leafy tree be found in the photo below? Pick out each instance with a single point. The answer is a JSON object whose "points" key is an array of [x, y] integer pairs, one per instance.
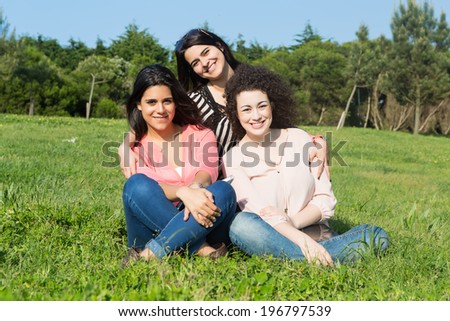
{"points": [[205, 26], [33, 81], [251, 53], [100, 48], [101, 70], [308, 34], [321, 74], [139, 47], [50, 47], [419, 74], [76, 52], [315, 71], [4, 26], [107, 108], [367, 70], [7, 47]]}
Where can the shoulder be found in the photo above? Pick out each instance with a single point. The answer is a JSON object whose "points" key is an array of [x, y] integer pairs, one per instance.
{"points": [[197, 93]]}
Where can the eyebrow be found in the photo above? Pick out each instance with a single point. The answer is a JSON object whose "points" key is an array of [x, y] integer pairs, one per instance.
{"points": [[201, 54], [259, 103]]}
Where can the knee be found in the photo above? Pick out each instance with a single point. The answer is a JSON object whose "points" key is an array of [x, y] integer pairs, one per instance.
{"points": [[138, 185], [222, 191], [381, 239], [377, 237], [247, 225]]}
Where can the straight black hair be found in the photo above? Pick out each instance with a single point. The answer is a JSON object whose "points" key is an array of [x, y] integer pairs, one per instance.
{"points": [[187, 76], [157, 75]]}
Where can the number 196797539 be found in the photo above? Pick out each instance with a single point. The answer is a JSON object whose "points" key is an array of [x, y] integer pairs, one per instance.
{"points": [[294, 310]]}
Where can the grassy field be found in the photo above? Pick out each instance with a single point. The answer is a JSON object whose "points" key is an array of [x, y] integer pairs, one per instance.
{"points": [[62, 228]]}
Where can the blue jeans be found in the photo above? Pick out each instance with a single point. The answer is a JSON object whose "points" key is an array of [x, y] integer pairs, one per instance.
{"points": [[255, 237], [153, 221]]}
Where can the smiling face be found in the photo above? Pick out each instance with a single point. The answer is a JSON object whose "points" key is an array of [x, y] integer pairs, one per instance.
{"points": [[158, 110], [207, 61], [255, 113]]}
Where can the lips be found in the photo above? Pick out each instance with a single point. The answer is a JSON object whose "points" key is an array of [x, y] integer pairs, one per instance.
{"points": [[161, 117], [257, 125], [211, 68]]}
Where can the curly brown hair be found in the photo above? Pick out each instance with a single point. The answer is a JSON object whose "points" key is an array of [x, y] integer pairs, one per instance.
{"points": [[249, 78]]}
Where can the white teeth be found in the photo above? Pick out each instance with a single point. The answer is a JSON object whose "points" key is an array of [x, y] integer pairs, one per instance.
{"points": [[210, 66], [257, 125]]}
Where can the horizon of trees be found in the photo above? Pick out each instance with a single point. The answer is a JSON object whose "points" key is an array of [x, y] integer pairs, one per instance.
{"points": [[395, 84]]}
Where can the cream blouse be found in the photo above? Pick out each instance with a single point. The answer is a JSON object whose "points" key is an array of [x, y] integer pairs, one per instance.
{"points": [[277, 173]]}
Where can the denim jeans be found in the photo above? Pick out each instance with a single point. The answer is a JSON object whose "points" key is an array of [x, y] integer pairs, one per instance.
{"points": [[153, 221], [255, 237]]}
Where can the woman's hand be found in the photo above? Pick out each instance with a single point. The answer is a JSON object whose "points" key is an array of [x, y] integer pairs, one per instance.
{"points": [[314, 252], [128, 160], [320, 151], [200, 203]]}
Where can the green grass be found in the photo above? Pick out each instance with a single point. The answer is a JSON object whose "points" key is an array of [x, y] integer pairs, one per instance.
{"points": [[63, 234]]}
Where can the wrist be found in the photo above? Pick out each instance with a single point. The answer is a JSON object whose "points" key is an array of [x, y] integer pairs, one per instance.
{"points": [[196, 185], [181, 191]]}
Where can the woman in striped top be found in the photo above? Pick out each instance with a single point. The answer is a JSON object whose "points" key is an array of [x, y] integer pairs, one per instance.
{"points": [[205, 63]]}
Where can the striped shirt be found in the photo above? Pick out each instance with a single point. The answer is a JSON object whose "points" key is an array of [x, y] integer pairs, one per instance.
{"points": [[214, 117]]}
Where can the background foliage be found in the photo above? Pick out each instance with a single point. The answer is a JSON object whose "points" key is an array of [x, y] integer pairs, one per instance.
{"points": [[401, 83]]}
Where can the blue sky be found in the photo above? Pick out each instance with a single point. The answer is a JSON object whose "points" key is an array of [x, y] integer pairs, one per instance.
{"points": [[272, 22]]}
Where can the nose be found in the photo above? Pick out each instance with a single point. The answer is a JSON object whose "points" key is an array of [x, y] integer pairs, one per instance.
{"points": [[160, 108], [204, 63], [255, 114]]}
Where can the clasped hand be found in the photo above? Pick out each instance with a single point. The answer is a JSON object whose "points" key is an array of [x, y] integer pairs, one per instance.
{"points": [[199, 202]]}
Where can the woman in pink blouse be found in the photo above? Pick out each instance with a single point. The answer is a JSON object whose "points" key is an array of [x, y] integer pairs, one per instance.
{"points": [[273, 180], [177, 165]]}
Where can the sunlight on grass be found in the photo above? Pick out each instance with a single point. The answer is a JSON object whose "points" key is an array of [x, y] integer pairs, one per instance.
{"points": [[63, 236]]}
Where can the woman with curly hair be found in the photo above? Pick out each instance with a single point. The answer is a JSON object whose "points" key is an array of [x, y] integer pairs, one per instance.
{"points": [[274, 182]]}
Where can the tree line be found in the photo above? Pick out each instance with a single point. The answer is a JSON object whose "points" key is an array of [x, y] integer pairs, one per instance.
{"points": [[401, 83]]}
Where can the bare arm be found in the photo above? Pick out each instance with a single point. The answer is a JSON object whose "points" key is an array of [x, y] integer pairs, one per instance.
{"points": [[321, 152], [202, 178], [128, 158], [311, 214]]}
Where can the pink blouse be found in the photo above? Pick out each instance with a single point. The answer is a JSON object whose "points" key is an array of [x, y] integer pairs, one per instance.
{"points": [[197, 152], [278, 175]]}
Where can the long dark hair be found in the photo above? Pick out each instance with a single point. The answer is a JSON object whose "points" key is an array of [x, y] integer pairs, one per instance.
{"points": [[249, 78], [156, 75], [187, 76]]}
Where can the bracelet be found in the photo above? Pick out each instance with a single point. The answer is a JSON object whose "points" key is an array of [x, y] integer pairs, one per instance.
{"points": [[198, 185]]}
